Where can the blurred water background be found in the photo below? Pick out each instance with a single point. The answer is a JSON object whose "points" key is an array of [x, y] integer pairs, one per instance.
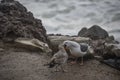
{"points": [[69, 16]]}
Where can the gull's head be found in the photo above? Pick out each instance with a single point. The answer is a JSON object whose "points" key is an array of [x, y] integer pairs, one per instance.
{"points": [[68, 44]]}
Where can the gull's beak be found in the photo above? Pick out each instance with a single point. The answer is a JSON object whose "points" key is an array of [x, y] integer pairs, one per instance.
{"points": [[65, 47]]}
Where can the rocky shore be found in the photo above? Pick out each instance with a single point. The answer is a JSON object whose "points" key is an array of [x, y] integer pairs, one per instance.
{"points": [[25, 48]]}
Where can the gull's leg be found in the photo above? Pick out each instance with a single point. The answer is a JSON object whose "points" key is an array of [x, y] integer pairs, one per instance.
{"points": [[81, 61], [63, 70], [74, 62], [56, 68]]}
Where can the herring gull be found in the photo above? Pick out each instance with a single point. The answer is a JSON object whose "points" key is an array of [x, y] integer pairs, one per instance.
{"points": [[77, 50]]}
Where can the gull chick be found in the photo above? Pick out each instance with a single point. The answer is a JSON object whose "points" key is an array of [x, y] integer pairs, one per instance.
{"points": [[59, 59]]}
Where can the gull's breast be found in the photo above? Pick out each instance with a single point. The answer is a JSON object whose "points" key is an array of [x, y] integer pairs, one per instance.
{"points": [[76, 52]]}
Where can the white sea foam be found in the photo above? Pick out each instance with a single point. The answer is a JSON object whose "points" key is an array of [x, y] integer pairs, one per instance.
{"points": [[69, 16]]}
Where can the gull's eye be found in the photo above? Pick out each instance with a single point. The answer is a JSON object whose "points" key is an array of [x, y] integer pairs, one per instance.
{"points": [[65, 45]]}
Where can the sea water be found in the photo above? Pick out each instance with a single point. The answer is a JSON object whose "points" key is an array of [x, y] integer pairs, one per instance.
{"points": [[69, 16]]}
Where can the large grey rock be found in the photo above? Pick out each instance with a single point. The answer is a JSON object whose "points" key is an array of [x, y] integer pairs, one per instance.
{"points": [[95, 32], [16, 21], [82, 31]]}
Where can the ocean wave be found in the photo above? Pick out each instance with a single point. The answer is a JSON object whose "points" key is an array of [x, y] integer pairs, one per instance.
{"points": [[116, 17], [69, 16]]}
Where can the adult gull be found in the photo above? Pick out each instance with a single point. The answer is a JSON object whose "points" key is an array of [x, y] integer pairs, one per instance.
{"points": [[77, 50]]}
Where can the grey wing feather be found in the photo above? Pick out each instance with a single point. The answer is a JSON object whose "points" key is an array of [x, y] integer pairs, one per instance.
{"points": [[83, 47]]}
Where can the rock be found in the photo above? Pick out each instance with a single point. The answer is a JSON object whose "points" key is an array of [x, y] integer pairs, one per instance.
{"points": [[111, 39], [3, 1], [115, 48], [1, 49], [82, 32], [106, 50], [95, 32], [1, 14], [99, 58], [56, 40], [16, 21], [32, 44], [116, 52]]}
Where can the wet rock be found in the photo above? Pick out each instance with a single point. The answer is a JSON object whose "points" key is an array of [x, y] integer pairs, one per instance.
{"points": [[95, 32], [16, 21]]}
